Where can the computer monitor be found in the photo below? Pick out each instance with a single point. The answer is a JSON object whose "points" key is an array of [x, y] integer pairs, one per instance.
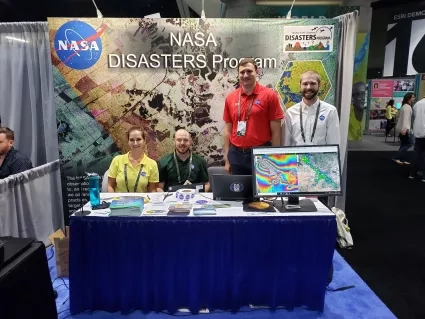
{"points": [[294, 171]]}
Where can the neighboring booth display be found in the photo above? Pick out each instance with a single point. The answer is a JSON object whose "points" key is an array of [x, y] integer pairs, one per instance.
{"points": [[380, 92], [164, 74], [420, 88], [358, 95]]}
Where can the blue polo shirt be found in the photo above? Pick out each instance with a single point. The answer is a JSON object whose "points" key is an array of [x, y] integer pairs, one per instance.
{"points": [[15, 162]]}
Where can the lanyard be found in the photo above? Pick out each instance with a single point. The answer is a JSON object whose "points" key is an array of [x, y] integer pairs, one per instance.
{"points": [[249, 109], [178, 169], [137, 179], [314, 126]]}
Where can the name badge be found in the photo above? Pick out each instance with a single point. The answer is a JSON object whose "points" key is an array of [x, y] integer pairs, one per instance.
{"points": [[241, 129]]}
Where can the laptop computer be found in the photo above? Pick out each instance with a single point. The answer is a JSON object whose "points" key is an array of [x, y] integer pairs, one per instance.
{"points": [[232, 187], [199, 186], [12, 248]]}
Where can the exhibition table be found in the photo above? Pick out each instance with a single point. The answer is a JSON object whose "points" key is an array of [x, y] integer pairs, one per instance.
{"points": [[225, 261]]}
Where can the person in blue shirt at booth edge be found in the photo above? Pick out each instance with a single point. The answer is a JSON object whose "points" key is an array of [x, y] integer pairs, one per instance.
{"points": [[182, 167], [133, 172]]}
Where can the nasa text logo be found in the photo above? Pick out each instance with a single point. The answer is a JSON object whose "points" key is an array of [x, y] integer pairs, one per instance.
{"points": [[78, 44], [236, 187]]}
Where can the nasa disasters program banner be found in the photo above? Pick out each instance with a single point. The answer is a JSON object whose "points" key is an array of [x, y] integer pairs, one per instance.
{"points": [[164, 74]]}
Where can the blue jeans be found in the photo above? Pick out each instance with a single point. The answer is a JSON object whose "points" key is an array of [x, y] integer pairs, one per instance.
{"points": [[404, 147]]}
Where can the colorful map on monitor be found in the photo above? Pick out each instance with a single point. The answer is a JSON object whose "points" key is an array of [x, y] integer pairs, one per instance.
{"points": [[297, 173], [276, 173]]}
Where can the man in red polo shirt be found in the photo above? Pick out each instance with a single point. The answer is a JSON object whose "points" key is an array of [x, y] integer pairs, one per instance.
{"points": [[252, 114]]}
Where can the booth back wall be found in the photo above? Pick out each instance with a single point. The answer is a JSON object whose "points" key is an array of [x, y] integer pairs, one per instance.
{"points": [[163, 74]]}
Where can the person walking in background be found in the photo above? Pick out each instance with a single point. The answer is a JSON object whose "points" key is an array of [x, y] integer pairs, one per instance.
{"points": [[403, 128], [419, 133], [390, 114]]}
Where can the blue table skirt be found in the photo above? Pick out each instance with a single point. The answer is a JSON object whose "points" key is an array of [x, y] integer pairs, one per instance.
{"points": [[162, 264]]}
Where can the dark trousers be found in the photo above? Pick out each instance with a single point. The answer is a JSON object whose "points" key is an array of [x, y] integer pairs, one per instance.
{"points": [[390, 126], [240, 161], [404, 147], [418, 152]]}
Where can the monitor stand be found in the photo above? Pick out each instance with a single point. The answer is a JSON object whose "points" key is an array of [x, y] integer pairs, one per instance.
{"points": [[250, 200], [294, 205], [82, 212]]}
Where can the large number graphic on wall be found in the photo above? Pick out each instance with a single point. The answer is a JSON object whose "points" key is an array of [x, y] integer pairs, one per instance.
{"points": [[164, 74], [405, 42]]}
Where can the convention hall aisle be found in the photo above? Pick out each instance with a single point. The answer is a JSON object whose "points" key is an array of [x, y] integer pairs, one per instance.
{"points": [[386, 213]]}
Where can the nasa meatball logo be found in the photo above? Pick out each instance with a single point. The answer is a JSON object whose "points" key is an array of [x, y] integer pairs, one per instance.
{"points": [[78, 44], [236, 187]]}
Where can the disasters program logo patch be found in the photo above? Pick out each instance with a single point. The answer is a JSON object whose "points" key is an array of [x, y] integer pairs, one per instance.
{"points": [[78, 44], [308, 38]]}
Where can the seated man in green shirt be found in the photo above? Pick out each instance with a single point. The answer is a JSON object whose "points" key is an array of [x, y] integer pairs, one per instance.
{"points": [[182, 167]]}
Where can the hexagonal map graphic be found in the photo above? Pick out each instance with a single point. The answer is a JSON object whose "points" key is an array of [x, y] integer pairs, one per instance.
{"points": [[289, 82]]}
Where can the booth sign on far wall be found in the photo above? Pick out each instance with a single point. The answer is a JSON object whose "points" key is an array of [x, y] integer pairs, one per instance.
{"points": [[380, 92]]}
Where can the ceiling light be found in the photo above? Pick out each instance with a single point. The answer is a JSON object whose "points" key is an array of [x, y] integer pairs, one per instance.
{"points": [[298, 2], [16, 39]]}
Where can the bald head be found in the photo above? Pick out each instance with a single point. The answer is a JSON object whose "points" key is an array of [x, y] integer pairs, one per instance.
{"points": [[181, 132], [358, 95], [183, 141], [359, 87]]}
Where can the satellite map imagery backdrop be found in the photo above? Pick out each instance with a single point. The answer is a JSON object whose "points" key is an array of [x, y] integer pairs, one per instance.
{"points": [[166, 74]]}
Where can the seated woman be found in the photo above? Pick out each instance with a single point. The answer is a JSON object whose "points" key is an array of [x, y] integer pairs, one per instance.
{"points": [[133, 172]]}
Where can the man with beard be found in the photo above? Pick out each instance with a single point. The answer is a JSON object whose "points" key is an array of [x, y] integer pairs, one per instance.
{"points": [[311, 122], [182, 167], [252, 115], [11, 160]]}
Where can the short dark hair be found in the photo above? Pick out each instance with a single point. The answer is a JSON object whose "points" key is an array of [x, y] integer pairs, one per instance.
{"points": [[391, 102], [10, 135], [245, 61], [136, 128]]}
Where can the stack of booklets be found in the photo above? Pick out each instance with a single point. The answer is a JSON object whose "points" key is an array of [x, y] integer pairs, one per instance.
{"points": [[204, 210], [127, 206], [179, 209]]}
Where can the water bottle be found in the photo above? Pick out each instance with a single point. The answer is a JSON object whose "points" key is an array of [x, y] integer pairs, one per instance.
{"points": [[94, 187]]}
